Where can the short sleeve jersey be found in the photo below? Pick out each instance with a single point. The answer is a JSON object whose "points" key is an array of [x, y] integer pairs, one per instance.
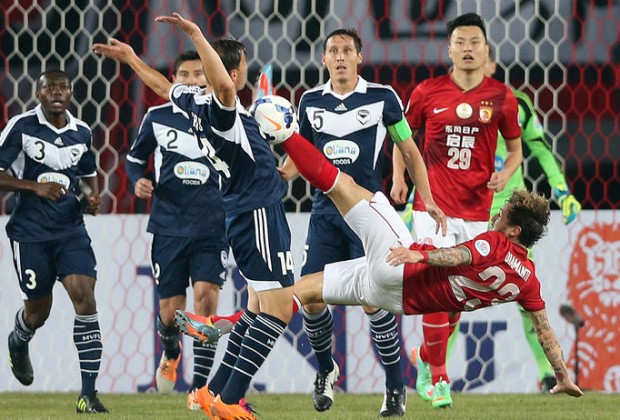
{"points": [[231, 140], [499, 272], [460, 141], [33, 149], [350, 130], [187, 200]]}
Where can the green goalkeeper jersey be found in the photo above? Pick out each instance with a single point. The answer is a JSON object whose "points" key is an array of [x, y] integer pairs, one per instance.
{"points": [[533, 138]]}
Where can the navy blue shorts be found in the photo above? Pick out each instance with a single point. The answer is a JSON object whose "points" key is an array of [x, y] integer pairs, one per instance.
{"points": [[329, 240], [40, 264], [177, 259], [261, 243]]}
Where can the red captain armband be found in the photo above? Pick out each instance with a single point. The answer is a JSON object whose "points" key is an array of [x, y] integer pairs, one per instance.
{"points": [[424, 256]]}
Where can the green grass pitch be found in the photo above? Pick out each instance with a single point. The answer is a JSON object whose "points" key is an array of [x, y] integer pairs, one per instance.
{"points": [[34, 405]]}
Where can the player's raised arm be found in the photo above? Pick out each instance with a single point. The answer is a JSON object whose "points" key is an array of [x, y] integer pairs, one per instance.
{"points": [[219, 79], [550, 345], [123, 53]]}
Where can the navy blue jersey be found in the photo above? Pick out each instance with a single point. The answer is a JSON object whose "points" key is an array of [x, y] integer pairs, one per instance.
{"points": [[33, 149], [349, 130], [187, 201], [231, 140]]}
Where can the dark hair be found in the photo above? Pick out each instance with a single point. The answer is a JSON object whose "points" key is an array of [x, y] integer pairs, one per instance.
{"points": [[47, 73], [230, 52], [530, 211], [189, 55], [350, 32], [468, 19]]}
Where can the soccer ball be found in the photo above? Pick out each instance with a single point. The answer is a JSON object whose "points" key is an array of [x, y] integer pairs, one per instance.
{"points": [[276, 118]]}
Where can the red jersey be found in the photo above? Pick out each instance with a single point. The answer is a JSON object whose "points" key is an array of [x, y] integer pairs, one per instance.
{"points": [[500, 272], [460, 141]]}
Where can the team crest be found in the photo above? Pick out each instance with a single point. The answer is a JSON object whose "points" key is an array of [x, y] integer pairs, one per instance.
{"points": [[363, 116], [464, 111], [486, 112], [483, 247]]}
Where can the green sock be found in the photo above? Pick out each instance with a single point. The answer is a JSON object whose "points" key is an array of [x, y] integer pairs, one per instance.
{"points": [[544, 367], [452, 341]]}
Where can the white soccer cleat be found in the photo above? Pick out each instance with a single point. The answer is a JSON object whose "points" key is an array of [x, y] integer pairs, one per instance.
{"points": [[323, 395], [275, 117]]}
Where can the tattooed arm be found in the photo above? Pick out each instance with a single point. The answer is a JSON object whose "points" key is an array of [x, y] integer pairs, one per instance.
{"points": [[443, 257], [550, 345]]}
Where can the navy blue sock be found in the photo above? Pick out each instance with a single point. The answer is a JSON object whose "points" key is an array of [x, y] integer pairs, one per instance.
{"points": [[319, 328], [232, 351], [256, 346], [384, 331], [87, 339], [22, 334], [170, 337], [203, 361]]}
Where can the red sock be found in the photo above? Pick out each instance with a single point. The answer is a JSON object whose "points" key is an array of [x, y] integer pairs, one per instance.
{"points": [[311, 163], [232, 318], [436, 330], [296, 304]]}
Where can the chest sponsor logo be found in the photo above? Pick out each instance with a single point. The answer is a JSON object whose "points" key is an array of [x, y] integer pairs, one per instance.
{"points": [[341, 152], [486, 112], [483, 247], [192, 173], [464, 111], [61, 179], [363, 116]]}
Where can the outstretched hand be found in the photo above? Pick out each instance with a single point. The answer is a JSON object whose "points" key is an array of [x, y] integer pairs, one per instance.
{"points": [[179, 21], [400, 255], [116, 50], [567, 387]]}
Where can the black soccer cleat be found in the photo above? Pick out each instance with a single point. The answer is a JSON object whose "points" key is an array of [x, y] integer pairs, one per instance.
{"points": [[89, 404], [547, 383], [394, 402], [20, 364], [323, 395]]}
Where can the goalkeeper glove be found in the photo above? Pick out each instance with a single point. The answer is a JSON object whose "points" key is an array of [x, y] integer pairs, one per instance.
{"points": [[568, 203], [408, 213]]}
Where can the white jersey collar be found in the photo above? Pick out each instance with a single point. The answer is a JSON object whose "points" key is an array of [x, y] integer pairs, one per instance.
{"points": [[360, 87], [71, 121]]}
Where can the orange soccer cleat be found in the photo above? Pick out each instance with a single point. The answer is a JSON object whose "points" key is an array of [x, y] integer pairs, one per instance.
{"points": [[231, 411]]}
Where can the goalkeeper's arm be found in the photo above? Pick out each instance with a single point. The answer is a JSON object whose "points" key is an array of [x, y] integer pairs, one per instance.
{"points": [[533, 137]]}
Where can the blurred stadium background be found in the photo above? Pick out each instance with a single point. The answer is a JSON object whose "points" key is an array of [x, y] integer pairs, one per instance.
{"points": [[566, 55]]}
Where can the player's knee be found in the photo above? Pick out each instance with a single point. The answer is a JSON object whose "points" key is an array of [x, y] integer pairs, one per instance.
{"points": [[314, 308], [206, 296], [36, 320]]}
